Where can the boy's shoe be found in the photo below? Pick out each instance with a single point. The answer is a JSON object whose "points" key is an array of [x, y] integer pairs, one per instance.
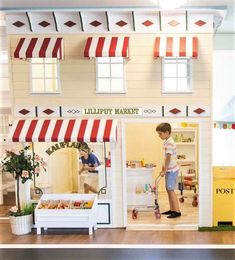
{"points": [[169, 212], [174, 215]]}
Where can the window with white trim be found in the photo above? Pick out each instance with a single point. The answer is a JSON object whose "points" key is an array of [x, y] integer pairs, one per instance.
{"points": [[110, 76], [4, 74], [44, 76], [176, 75]]}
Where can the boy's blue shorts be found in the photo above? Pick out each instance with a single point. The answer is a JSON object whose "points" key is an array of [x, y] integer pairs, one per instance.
{"points": [[171, 179]]}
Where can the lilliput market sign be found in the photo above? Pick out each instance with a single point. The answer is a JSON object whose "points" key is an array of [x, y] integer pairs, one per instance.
{"points": [[112, 111]]}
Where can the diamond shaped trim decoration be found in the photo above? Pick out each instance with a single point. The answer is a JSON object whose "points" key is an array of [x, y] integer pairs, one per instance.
{"points": [[18, 24], [95, 23], [200, 23], [44, 24], [199, 110], [69, 23], [173, 23], [121, 23], [175, 111], [147, 23], [24, 111], [48, 111]]}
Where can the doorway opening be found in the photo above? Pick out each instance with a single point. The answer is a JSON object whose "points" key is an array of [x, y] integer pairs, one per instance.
{"points": [[144, 159]]}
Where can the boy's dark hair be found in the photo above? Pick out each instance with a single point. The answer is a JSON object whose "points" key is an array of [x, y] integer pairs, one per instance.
{"points": [[163, 127]]}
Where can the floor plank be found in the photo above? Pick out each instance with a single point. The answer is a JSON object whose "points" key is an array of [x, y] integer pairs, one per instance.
{"points": [[116, 236]]}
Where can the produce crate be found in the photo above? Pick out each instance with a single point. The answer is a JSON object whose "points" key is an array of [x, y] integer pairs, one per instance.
{"points": [[66, 211]]}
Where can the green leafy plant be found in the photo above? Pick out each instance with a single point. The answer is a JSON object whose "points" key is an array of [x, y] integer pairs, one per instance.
{"points": [[23, 167], [26, 210]]}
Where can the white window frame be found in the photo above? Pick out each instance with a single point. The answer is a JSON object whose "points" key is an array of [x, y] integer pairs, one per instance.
{"points": [[124, 91], [189, 75], [4, 63], [58, 79]]}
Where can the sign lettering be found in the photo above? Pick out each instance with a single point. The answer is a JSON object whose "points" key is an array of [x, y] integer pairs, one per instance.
{"points": [[61, 145]]}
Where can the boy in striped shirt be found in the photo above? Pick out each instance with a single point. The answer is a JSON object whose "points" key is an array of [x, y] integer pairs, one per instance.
{"points": [[170, 168]]}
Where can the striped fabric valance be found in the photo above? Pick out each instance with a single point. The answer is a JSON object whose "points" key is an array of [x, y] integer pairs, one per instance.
{"points": [[176, 47], [39, 48], [64, 130], [106, 47]]}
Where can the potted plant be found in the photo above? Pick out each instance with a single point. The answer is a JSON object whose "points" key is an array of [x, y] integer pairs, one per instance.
{"points": [[23, 167]]}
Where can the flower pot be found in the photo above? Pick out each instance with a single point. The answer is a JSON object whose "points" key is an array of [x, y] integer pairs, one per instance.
{"points": [[21, 225]]}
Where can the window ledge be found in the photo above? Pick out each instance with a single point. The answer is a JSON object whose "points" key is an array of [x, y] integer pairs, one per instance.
{"points": [[45, 93], [177, 93], [111, 93]]}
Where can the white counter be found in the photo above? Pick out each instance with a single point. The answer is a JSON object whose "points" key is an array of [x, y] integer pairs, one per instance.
{"points": [[138, 191], [140, 169]]}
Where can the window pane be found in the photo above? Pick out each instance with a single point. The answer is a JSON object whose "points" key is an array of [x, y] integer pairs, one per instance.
{"points": [[170, 70], [103, 60], [37, 71], [37, 85], [103, 85], [117, 70], [37, 60], [170, 84], [50, 60], [117, 59], [3, 70], [182, 70], [117, 85], [182, 60], [3, 57], [4, 84], [169, 60], [103, 70], [51, 85], [183, 84], [50, 71]]}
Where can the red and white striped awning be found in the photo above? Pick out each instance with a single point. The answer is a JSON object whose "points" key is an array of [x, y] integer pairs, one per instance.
{"points": [[39, 48], [106, 47], [176, 47], [64, 130]]}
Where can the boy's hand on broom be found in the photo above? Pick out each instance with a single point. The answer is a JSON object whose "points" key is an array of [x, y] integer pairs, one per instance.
{"points": [[162, 173]]}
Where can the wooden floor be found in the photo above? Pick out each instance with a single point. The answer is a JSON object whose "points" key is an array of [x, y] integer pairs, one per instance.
{"points": [[116, 236], [146, 218]]}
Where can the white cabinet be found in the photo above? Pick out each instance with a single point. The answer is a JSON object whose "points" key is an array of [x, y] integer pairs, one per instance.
{"points": [[187, 153], [138, 191]]}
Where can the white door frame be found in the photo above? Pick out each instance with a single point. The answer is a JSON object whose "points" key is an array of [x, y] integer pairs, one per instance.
{"points": [[205, 218]]}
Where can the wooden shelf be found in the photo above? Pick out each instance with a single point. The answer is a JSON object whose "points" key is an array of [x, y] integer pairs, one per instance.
{"points": [[184, 143], [185, 161]]}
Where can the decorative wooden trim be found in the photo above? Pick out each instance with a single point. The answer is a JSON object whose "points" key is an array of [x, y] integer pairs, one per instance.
{"points": [[133, 19], [56, 26], [36, 111], [186, 18], [80, 15], [175, 111], [115, 112], [198, 111], [30, 25], [109, 217], [48, 111], [24, 112], [107, 19], [160, 20]]}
